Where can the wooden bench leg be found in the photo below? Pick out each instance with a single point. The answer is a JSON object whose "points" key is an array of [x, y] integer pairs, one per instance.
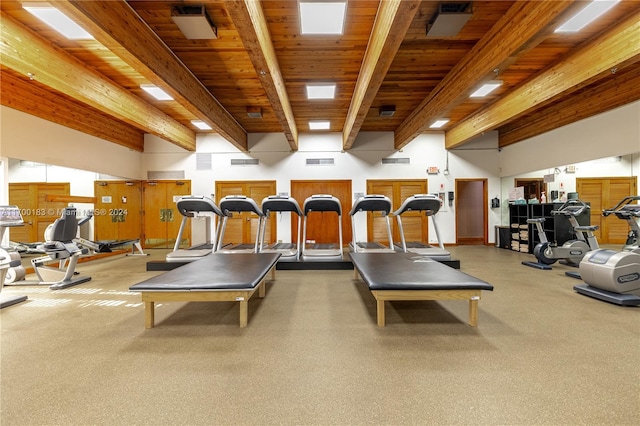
{"points": [[149, 314], [244, 312], [380, 309], [262, 291], [473, 311]]}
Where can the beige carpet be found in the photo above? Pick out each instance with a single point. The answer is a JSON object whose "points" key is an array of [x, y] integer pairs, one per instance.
{"points": [[313, 355]]}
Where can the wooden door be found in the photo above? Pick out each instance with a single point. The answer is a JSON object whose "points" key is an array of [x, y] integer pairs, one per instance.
{"points": [[37, 213], [471, 211], [118, 210], [322, 227], [243, 228], [415, 225], [161, 218], [604, 193]]}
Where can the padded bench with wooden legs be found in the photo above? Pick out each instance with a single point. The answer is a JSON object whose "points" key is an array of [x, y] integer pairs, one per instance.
{"points": [[216, 277], [407, 276]]}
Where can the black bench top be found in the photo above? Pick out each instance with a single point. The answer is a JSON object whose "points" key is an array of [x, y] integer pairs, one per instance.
{"points": [[408, 271], [216, 271]]}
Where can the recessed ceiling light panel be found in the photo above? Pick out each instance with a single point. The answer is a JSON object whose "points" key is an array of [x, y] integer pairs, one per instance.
{"points": [[201, 125], [319, 125], [322, 17], [57, 20], [156, 92], [321, 91], [588, 14], [486, 88], [439, 123]]}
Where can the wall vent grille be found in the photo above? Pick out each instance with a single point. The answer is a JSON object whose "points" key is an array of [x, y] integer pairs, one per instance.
{"points": [[396, 161], [245, 161], [204, 161], [320, 162]]}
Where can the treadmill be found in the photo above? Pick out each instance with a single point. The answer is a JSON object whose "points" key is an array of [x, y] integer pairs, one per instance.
{"points": [[191, 206], [238, 204], [278, 204], [430, 204], [372, 203], [321, 252]]}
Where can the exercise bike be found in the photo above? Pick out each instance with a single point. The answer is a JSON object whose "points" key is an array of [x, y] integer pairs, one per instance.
{"points": [[614, 276], [572, 251]]}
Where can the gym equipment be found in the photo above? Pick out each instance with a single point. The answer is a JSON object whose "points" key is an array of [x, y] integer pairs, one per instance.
{"points": [[611, 276], [322, 252], [191, 206], [279, 204], [9, 216], [405, 276], [625, 210], [60, 248], [238, 204], [430, 204], [215, 278], [372, 203], [572, 251]]}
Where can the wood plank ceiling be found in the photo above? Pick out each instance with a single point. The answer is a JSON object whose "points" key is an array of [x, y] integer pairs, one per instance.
{"points": [[260, 60]]}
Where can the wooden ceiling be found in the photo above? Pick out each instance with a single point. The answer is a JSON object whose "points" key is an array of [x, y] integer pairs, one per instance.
{"points": [[260, 59]]}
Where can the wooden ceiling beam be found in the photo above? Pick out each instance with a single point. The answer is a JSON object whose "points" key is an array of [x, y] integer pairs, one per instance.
{"points": [[513, 33], [28, 54], [31, 98], [119, 28], [250, 22], [615, 48], [393, 19], [619, 89]]}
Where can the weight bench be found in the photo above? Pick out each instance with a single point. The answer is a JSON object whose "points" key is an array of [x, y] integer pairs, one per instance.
{"points": [[407, 276], [216, 277]]}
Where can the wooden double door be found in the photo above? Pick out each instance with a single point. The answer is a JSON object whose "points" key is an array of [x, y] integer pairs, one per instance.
{"points": [[605, 193], [415, 224]]}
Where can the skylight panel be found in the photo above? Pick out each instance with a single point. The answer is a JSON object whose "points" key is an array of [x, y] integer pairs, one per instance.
{"points": [[486, 88], [321, 91], [57, 20], [319, 125], [322, 17], [156, 92], [201, 125], [439, 123], [588, 14]]}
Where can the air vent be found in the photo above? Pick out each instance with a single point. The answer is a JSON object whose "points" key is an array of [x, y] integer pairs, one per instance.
{"points": [[165, 175], [396, 161], [204, 161], [254, 112], [194, 22], [320, 161], [450, 18], [387, 110], [245, 161]]}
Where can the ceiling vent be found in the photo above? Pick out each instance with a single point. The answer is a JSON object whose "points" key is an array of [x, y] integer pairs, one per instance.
{"points": [[254, 112], [449, 19], [194, 22], [387, 110]]}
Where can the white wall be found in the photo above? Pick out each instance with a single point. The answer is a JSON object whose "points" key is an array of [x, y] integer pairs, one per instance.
{"points": [[615, 133], [31, 138]]}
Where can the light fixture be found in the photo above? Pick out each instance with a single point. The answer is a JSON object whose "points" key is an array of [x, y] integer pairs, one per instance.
{"points": [[254, 112], [588, 14], [156, 92], [194, 22], [319, 125], [322, 17], [439, 123], [486, 88], [387, 110], [57, 20], [201, 125], [449, 19], [321, 91]]}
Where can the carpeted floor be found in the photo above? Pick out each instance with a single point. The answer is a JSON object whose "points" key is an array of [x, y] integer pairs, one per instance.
{"points": [[313, 355]]}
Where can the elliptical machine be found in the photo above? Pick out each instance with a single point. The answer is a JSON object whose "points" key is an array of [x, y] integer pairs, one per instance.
{"points": [[572, 251], [614, 276]]}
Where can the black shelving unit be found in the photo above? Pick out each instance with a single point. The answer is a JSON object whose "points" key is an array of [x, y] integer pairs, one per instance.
{"points": [[557, 227]]}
